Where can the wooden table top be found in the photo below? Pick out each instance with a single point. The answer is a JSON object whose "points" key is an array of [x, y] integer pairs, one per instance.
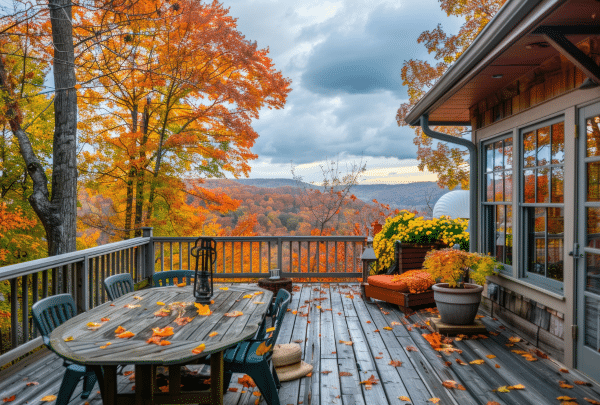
{"points": [[136, 313]]}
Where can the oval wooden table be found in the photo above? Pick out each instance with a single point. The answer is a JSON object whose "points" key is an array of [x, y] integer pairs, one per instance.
{"points": [[135, 312]]}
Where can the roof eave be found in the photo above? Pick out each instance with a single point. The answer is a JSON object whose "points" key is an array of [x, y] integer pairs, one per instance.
{"points": [[485, 45]]}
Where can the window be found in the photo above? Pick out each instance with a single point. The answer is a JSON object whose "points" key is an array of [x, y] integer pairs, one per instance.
{"points": [[497, 199], [542, 203]]}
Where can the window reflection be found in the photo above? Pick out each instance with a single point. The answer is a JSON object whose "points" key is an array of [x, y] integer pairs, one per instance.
{"points": [[593, 180], [529, 149], [593, 227], [558, 143], [592, 281], [557, 185], [593, 136], [542, 185], [543, 146], [529, 186]]}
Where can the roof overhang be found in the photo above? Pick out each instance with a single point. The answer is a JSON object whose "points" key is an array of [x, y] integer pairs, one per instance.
{"points": [[502, 53]]}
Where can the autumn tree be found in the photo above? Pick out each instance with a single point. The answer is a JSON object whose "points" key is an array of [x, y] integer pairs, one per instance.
{"points": [[418, 75], [179, 97], [324, 201]]}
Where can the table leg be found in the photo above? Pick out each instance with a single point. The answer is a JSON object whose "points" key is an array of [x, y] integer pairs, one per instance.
{"points": [[175, 379], [107, 380], [216, 378], [145, 383]]}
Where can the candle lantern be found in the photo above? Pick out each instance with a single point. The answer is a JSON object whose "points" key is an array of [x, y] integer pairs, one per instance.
{"points": [[275, 274], [205, 252]]}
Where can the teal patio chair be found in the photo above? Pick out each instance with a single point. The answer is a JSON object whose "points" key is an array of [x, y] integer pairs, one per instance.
{"points": [[117, 285], [164, 278], [47, 315], [243, 359]]}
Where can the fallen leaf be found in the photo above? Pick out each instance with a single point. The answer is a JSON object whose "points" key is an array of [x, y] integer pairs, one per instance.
{"points": [[9, 399], [270, 329], [224, 288], [563, 370], [120, 329], [434, 400], [183, 320], [497, 366], [126, 373], [258, 292], [491, 356], [492, 403], [347, 343], [256, 393], [411, 349], [578, 382], [181, 284], [131, 306], [325, 372], [378, 357], [565, 398], [404, 398], [345, 374], [164, 388], [234, 314], [125, 335], [166, 331], [517, 387], [449, 384], [592, 401], [388, 328], [514, 339], [32, 383], [93, 325], [462, 363], [232, 389], [162, 312], [258, 302], [478, 361], [203, 310], [246, 381], [105, 319], [48, 398], [393, 323], [504, 388], [160, 303], [199, 349], [395, 363], [247, 296], [213, 334], [68, 339], [263, 349], [367, 321], [309, 374], [563, 384]]}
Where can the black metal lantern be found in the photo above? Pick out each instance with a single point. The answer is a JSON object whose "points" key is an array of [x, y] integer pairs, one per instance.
{"points": [[205, 252]]}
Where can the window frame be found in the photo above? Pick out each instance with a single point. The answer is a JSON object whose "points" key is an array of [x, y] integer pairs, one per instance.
{"points": [[524, 208]]}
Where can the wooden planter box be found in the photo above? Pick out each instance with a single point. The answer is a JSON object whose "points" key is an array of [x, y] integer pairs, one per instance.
{"points": [[403, 300], [410, 256]]}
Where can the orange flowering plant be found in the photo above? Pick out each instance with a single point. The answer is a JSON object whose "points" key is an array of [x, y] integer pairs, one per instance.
{"points": [[455, 267]]}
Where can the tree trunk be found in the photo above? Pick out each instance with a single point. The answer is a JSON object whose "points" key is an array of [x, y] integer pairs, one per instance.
{"points": [[130, 177], [139, 196], [58, 212]]}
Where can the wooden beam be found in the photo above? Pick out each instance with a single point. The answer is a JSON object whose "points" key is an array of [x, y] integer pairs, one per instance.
{"points": [[566, 48]]}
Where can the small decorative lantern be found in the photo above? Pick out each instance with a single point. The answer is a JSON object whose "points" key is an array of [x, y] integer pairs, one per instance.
{"points": [[205, 252], [275, 274]]}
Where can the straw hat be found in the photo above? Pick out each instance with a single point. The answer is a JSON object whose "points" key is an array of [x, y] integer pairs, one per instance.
{"points": [[287, 360]]}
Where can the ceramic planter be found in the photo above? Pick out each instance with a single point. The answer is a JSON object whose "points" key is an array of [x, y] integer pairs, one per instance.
{"points": [[457, 306]]}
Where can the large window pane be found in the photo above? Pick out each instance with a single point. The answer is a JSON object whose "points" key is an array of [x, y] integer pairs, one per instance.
{"points": [[543, 146], [557, 185], [592, 323], [489, 158], [593, 178], [508, 153], [498, 187], [593, 136], [498, 156], [508, 184], [542, 185], [529, 149], [500, 229], [556, 226], [529, 186], [489, 187], [593, 227], [558, 143], [592, 280]]}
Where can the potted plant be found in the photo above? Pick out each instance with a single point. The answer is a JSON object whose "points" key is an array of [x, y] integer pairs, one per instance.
{"points": [[456, 299]]}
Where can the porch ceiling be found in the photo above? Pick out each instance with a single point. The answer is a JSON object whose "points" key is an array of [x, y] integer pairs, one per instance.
{"points": [[450, 102]]}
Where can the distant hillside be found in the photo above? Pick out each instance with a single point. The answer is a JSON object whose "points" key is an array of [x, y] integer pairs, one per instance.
{"points": [[410, 195]]}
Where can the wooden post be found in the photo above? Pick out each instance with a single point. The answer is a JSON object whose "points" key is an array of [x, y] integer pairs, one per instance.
{"points": [[148, 269]]}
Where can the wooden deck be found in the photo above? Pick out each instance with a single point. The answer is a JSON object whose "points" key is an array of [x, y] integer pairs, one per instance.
{"points": [[345, 316]]}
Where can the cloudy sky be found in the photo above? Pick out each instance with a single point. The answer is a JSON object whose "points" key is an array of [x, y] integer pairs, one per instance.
{"points": [[344, 58]]}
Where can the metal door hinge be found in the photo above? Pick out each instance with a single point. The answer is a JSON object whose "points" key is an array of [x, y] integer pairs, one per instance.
{"points": [[574, 332], [575, 252]]}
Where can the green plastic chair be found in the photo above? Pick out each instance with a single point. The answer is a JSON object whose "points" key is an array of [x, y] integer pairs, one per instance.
{"points": [[47, 315], [117, 285], [166, 277], [243, 358]]}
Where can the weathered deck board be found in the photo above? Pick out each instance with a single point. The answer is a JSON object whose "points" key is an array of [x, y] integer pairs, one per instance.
{"points": [[352, 319]]}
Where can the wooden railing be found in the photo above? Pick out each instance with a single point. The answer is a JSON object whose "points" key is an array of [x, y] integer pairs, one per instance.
{"points": [[81, 273]]}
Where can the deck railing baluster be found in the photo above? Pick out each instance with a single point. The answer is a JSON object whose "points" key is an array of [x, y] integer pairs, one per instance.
{"points": [[14, 309], [25, 307]]}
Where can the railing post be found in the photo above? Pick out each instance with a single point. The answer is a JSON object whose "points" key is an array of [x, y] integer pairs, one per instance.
{"points": [[149, 266], [279, 254], [82, 289]]}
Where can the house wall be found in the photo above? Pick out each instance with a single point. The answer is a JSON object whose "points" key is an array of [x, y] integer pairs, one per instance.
{"points": [[546, 316]]}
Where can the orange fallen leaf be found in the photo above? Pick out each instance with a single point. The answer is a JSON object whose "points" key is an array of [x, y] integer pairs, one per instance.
{"points": [[120, 329], [411, 349], [199, 349], [345, 374], [376, 330], [347, 343], [263, 348], [164, 388], [183, 320], [29, 384], [491, 356], [247, 296], [478, 361], [563, 370], [565, 398], [93, 325], [258, 292], [232, 389], [393, 323], [270, 329], [388, 328], [213, 334], [68, 339], [164, 343], [132, 306], [592, 401], [449, 384], [126, 373], [325, 372], [153, 339], [492, 403], [309, 374], [224, 288], [160, 303], [181, 284], [514, 339], [395, 363], [48, 398], [578, 382], [378, 357], [367, 321], [516, 387], [9, 399], [166, 331], [137, 297], [105, 319], [563, 384], [246, 381], [234, 314], [371, 380], [203, 310], [434, 400], [404, 398], [497, 366], [126, 334]]}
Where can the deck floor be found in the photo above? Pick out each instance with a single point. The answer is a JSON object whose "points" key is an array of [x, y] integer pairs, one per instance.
{"points": [[344, 316]]}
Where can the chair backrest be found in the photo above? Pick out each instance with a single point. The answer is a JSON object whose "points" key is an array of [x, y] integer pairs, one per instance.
{"points": [[117, 285], [167, 277], [51, 312], [281, 304]]}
